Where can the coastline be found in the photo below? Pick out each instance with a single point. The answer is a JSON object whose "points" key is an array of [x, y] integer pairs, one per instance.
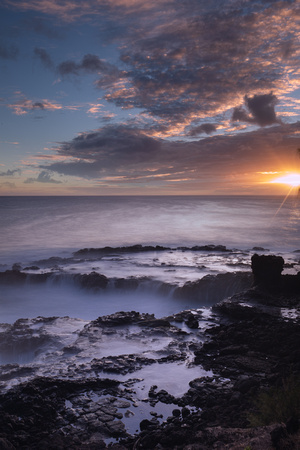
{"points": [[248, 344]]}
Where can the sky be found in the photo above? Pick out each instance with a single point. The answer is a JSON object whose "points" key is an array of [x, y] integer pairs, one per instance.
{"points": [[165, 97]]}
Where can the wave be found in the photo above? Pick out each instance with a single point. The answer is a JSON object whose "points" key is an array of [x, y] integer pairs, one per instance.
{"points": [[209, 289]]}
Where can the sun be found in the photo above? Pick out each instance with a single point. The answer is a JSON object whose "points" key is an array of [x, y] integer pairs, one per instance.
{"points": [[292, 179]]}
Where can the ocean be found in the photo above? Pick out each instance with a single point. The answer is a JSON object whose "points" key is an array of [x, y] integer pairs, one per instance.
{"points": [[43, 234]]}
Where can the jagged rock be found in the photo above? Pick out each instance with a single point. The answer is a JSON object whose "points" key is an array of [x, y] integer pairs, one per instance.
{"points": [[122, 318], [192, 321], [92, 280]]}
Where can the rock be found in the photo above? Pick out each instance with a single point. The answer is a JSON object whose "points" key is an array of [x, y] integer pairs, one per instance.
{"points": [[277, 434], [210, 248], [267, 270], [156, 323], [145, 424], [213, 288], [240, 311], [129, 249], [127, 284], [192, 322], [176, 412], [245, 383], [92, 280], [291, 283], [267, 275], [122, 318], [12, 277]]}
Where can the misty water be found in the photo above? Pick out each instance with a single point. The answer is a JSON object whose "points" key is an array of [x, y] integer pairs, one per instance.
{"points": [[44, 233]]}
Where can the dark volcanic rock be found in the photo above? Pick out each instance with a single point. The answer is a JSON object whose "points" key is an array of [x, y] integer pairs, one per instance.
{"points": [[267, 275], [93, 252], [12, 277], [210, 248], [129, 249], [92, 280], [32, 414], [122, 318], [213, 288], [127, 284], [267, 270]]}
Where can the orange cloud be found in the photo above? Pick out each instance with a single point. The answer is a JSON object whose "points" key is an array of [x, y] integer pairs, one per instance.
{"points": [[23, 106]]}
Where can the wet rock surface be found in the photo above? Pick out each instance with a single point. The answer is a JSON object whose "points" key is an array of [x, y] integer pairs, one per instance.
{"points": [[87, 387], [213, 288]]}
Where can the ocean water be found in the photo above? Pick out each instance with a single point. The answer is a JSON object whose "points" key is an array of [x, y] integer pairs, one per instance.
{"points": [[41, 234]]}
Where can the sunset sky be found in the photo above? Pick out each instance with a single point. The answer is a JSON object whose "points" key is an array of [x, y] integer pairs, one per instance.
{"points": [[113, 97]]}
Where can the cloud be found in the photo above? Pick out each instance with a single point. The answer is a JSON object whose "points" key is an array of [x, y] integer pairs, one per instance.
{"points": [[193, 62], [69, 11], [24, 105], [66, 11], [100, 151], [91, 64], [120, 155], [8, 51], [261, 109], [44, 57], [9, 173], [205, 128], [43, 177]]}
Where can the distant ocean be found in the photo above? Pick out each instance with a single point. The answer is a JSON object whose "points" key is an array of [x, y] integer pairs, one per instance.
{"points": [[41, 234]]}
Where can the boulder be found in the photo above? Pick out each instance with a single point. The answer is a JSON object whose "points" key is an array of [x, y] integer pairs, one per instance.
{"points": [[267, 270]]}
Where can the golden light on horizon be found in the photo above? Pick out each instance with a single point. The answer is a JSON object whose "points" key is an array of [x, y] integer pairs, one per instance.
{"points": [[292, 179]]}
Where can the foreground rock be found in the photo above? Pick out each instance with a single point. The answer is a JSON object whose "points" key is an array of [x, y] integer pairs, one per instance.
{"points": [[267, 272], [75, 396]]}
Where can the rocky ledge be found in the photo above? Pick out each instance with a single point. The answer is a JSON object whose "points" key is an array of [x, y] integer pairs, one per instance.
{"points": [[252, 400]]}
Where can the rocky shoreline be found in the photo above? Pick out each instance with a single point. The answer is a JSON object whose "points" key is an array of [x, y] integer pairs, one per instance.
{"points": [[249, 346]]}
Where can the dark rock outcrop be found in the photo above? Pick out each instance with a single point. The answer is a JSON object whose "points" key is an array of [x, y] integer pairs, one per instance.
{"points": [[267, 270], [267, 273], [213, 288], [92, 280], [128, 249]]}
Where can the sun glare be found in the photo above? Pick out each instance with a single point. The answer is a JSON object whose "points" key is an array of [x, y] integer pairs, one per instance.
{"points": [[292, 179]]}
